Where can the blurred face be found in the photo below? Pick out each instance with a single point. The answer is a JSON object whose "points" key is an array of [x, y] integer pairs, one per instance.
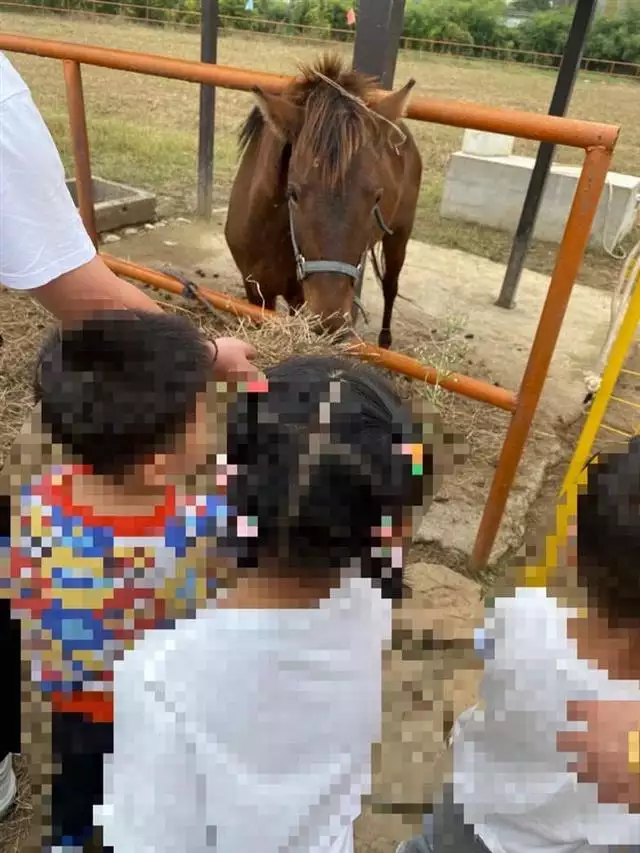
{"points": [[194, 443], [187, 452]]}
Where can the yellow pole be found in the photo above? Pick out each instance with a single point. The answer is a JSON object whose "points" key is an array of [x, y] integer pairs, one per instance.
{"points": [[538, 575], [610, 377]]}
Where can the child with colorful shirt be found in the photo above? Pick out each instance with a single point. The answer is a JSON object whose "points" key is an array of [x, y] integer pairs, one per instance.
{"points": [[102, 546]]}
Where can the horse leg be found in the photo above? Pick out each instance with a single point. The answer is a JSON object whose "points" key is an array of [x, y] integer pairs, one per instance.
{"points": [[295, 297], [394, 249]]}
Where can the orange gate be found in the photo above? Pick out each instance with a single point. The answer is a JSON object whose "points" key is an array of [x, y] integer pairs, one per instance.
{"points": [[597, 140]]}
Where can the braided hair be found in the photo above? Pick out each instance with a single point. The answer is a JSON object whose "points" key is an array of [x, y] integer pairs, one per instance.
{"points": [[328, 462]]}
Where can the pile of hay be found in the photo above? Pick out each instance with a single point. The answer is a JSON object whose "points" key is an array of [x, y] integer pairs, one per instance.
{"points": [[24, 325], [15, 826]]}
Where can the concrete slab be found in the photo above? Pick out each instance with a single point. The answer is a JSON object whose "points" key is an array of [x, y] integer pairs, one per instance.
{"points": [[490, 190], [117, 205]]}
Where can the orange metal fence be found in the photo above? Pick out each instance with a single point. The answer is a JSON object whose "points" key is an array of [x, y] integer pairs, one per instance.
{"points": [[598, 141]]}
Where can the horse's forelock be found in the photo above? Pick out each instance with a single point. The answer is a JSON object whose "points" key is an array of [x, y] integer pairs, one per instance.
{"points": [[338, 123]]}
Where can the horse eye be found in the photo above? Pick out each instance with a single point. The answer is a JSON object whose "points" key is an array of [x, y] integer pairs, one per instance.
{"points": [[378, 196], [292, 194]]}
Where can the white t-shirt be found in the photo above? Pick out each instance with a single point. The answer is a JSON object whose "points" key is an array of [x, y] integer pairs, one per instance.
{"points": [[513, 783], [41, 233], [248, 729]]}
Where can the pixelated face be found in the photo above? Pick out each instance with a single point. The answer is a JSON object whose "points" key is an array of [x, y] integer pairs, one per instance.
{"points": [[188, 449], [194, 449]]}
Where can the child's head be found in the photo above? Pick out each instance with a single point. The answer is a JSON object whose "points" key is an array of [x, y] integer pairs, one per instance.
{"points": [[124, 394], [608, 536], [332, 468]]}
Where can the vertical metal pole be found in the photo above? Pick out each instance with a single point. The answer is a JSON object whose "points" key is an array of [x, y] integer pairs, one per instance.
{"points": [[565, 82], [378, 34], [572, 248], [80, 145], [208, 53]]}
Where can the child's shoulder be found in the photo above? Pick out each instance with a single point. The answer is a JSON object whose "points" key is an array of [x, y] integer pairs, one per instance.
{"points": [[47, 485], [528, 615]]}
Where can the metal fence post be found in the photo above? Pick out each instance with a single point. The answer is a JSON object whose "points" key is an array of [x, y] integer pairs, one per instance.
{"points": [[206, 130], [80, 145], [574, 243], [378, 33], [571, 59]]}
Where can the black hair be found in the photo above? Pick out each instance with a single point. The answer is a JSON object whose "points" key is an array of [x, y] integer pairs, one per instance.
{"points": [[319, 467], [121, 386], [608, 534]]}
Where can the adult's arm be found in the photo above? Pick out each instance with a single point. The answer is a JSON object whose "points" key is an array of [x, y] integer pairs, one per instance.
{"points": [[44, 247], [606, 754], [91, 287], [42, 237]]}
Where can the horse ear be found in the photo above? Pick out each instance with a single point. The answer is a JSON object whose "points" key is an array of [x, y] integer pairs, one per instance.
{"points": [[281, 115], [393, 106]]}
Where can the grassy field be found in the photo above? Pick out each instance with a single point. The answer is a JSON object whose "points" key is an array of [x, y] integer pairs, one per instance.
{"points": [[143, 130]]}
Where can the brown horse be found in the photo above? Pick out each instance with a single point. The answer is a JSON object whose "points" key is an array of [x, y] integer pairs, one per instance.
{"points": [[325, 174]]}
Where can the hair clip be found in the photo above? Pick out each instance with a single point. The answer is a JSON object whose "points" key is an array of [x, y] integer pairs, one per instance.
{"points": [[416, 452], [386, 527], [255, 386], [246, 527]]}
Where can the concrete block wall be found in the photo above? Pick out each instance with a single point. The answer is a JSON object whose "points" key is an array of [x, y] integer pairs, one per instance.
{"points": [[490, 190]]}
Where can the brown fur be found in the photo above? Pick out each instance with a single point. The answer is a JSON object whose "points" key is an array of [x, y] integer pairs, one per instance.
{"points": [[334, 140]]}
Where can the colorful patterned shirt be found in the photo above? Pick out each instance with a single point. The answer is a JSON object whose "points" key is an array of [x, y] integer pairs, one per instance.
{"points": [[86, 587]]}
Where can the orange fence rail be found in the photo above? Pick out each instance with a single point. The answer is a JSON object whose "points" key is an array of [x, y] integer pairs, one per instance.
{"points": [[598, 141]]}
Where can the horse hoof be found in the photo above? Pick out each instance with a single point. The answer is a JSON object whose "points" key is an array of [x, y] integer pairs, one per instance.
{"points": [[384, 339]]}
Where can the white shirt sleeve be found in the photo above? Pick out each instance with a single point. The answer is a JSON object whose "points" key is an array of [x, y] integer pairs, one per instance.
{"points": [[41, 233], [153, 802], [512, 734]]}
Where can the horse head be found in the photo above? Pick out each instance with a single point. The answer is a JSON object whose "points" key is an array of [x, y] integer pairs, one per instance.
{"points": [[338, 139]]}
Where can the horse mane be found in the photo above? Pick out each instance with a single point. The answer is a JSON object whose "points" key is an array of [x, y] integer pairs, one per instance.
{"points": [[338, 121]]}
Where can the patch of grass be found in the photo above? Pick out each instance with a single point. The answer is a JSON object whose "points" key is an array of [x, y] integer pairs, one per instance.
{"points": [[144, 129]]}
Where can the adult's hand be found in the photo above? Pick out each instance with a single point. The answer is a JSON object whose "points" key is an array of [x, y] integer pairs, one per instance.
{"points": [[603, 749], [233, 360]]}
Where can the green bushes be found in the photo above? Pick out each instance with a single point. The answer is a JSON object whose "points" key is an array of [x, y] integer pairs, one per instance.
{"points": [[459, 27], [611, 40], [545, 32], [462, 27], [316, 18]]}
